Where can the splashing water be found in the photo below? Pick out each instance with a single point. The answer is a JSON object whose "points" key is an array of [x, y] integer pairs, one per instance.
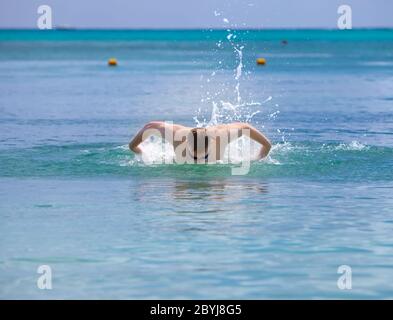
{"points": [[155, 151], [352, 146], [223, 111]]}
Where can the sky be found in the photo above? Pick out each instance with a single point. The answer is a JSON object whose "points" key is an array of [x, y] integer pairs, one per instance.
{"points": [[168, 14]]}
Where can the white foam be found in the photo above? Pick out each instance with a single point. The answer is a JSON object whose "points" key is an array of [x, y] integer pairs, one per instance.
{"points": [[282, 148], [353, 146], [157, 151], [122, 147]]}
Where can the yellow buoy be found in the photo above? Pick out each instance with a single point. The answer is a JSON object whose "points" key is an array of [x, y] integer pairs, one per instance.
{"points": [[261, 61], [112, 62]]}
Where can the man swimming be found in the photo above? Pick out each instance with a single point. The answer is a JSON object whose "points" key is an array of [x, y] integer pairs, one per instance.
{"points": [[200, 145]]}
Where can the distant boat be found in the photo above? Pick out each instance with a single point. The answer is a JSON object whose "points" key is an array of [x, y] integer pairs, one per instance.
{"points": [[64, 27]]}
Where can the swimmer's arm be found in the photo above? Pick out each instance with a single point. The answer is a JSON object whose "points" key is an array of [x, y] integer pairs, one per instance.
{"points": [[257, 136], [151, 128], [263, 140]]}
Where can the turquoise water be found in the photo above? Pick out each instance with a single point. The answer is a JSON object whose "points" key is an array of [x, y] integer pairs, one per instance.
{"points": [[110, 226]]}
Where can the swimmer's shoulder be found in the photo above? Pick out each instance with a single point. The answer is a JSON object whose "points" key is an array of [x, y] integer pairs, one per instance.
{"points": [[180, 130], [179, 127], [163, 124]]}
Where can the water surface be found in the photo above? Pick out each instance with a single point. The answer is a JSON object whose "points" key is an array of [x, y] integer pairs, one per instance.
{"points": [[74, 198]]}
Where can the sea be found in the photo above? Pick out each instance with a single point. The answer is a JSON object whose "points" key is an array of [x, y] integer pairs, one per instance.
{"points": [[314, 220]]}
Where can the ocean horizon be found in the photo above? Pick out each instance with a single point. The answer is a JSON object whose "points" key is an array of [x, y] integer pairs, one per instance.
{"points": [[213, 34]]}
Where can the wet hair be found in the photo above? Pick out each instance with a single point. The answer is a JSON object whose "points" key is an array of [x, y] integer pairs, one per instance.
{"points": [[195, 139]]}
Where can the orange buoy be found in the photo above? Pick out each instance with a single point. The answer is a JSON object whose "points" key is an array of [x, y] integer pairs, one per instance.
{"points": [[261, 61], [112, 62]]}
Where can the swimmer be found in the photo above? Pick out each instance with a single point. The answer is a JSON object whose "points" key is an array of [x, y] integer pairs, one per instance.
{"points": [[200, 144]]}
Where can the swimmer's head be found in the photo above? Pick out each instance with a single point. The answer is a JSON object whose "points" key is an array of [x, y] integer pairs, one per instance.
{"points": [[198, 143]]}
